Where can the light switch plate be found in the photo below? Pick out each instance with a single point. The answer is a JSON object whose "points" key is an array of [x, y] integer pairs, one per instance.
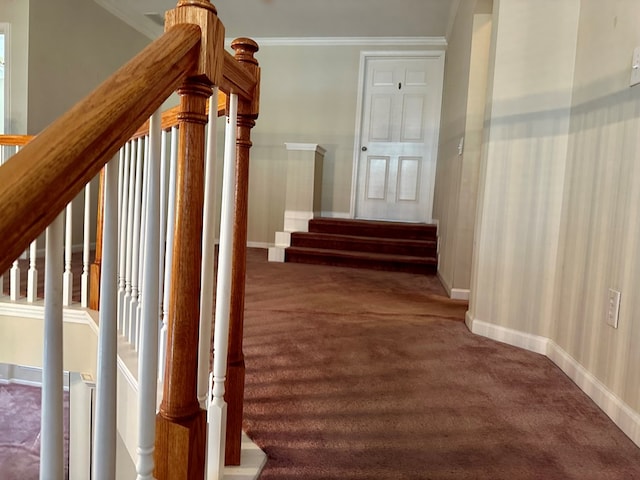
{"points": [[635, 68], [613, 308]]}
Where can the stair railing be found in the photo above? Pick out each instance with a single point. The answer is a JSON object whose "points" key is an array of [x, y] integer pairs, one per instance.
{"points": [[39, 181]]}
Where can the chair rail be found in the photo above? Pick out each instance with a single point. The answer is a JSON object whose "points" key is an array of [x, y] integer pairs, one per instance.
{"points": [[38, 182]]}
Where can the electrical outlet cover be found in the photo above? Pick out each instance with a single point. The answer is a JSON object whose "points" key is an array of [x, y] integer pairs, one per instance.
{"points": [[635, 68]]}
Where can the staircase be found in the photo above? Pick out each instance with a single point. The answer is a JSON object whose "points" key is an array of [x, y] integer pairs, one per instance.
{"points": [[401, 247]]}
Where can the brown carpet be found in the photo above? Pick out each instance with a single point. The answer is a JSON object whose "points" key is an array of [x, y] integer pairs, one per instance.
{"points": [[359, 374], [20, 432]]}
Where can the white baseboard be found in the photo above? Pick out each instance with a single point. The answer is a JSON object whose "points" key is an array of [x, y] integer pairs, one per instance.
{"points": [[453, 293], [25, 375], [627, 419], [264, 245], [533, 343], [460, 294]]}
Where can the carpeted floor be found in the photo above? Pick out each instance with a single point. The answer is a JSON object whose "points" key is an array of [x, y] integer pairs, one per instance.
{"points": [[20, 432], [356, 374]]}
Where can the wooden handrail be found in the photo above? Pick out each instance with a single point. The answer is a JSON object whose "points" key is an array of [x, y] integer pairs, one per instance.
{"points": [[38, 182], [15, 140]]}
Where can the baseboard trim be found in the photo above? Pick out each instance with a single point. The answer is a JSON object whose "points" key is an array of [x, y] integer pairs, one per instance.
{"points": [[516, 338], [453, 293], [25, 375], [264, 245], [460, 294], [627, 419]]}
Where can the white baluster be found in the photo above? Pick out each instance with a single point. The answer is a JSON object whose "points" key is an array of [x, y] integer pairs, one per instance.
{"points": [[67, 278], [32, 274], [14, 281], [51, 440], [143, 243], [3, 153], [148, 360], [86, 247], [207, 278], [123, 221], [135, 257], [104, 453], [217, 410], [171, 220], [163, 220], [129, 256]]}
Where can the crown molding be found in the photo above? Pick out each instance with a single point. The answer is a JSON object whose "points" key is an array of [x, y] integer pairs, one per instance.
{"points": [[347, 41], [132, 18]]}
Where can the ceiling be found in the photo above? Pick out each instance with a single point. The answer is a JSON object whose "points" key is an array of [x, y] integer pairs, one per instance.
{"points": [[306, 18]]}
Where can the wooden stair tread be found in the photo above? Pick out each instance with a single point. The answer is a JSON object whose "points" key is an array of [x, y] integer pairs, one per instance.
{"points": [[362, 255], [373, 228], [363, 238]]}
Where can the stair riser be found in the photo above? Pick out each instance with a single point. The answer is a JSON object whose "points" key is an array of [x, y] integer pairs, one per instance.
{"points": [[411, 232], [428, 250], [360, 263]]}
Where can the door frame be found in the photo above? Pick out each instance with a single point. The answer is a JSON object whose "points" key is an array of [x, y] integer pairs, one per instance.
{"points": [[365, 57]]}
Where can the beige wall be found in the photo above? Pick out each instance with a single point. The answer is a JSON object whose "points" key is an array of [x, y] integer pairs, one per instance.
{"points": [[309, 95], [523, 163], [74, 45], [600, 235], [21, 341], [462, 118], [16, 13]]}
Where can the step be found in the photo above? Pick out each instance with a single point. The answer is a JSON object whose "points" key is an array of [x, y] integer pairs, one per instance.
{"points": [[394, 246], [374, 261], [373, 228]]}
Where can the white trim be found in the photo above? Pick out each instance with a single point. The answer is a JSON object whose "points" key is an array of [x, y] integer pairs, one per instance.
{"points": [[263, 245], [304, 147], [453, 293], [439, 42], [36, 310], [460, 294], [528, 341], [627, 419], [364, 57], [26, 375], [330, 214]]}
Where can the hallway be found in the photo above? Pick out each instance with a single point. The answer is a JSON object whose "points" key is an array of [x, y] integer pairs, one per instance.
{"points": [[358, 374]]}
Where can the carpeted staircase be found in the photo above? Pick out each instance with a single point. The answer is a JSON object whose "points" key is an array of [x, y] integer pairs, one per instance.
{"points": [[393, 246]]}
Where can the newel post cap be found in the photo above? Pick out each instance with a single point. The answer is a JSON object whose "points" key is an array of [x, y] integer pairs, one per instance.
{"points": [[204, 14]]}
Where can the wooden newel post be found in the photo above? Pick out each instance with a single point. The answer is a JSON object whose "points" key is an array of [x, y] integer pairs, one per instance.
{"points": [[245, 49], [181, 423]]}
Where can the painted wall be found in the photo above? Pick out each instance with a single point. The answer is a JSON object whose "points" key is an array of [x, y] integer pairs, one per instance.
{"points": [[16, 14], [600, 234], [462, 118], [523, 163], [74, 45], [308, 95], [21, 341]]}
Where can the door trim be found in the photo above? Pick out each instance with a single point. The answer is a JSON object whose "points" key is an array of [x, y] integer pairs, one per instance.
{"points": [[366, 56]]}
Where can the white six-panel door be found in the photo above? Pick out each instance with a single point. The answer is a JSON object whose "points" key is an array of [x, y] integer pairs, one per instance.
{"points": [[398, 138]]}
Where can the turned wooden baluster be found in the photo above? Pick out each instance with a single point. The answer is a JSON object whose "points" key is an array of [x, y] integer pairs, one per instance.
{"points": [[245, 50], [94, 270], [181, 423]]}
